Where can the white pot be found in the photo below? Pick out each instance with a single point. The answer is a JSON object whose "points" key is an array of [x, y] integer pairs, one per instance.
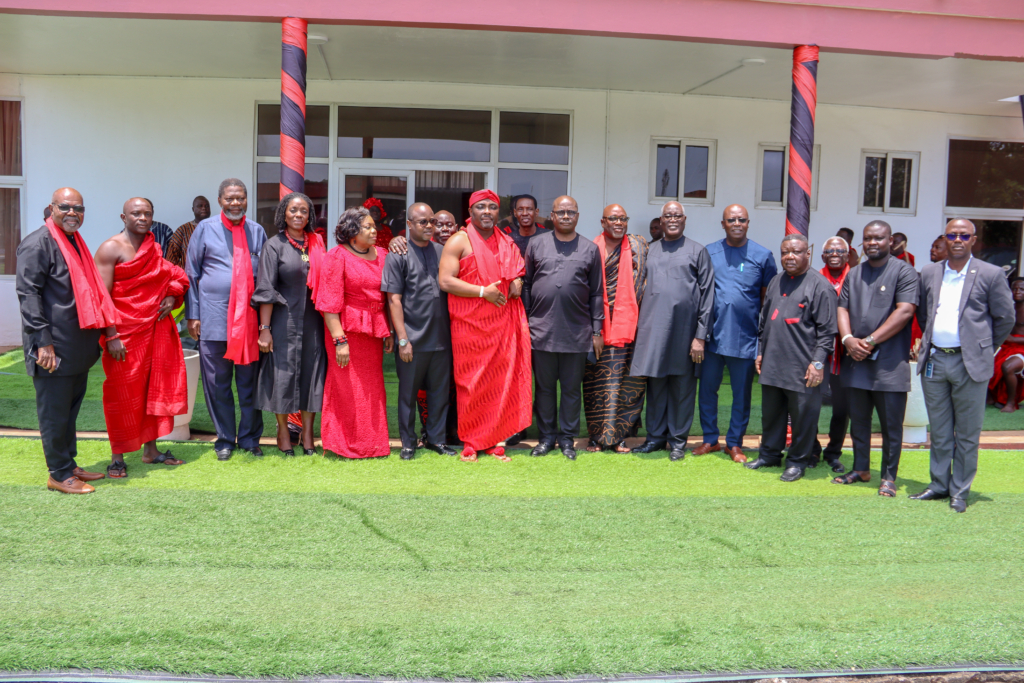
{"points": [[181, 432], [915, 422]]}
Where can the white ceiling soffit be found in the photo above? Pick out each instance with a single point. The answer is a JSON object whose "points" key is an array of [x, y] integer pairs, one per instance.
{"points": [[148, 47]]}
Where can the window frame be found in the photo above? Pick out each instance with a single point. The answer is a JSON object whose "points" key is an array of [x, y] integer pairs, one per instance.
{"points": [[652, 180], [371, 166], [762, 147], [889, 155], [17, 181]]}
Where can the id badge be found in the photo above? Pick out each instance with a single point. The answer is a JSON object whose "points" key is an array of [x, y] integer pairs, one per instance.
{"points": [[929, 369]]}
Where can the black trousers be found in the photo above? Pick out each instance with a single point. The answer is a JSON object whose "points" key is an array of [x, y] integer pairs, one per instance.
{"points": [[891, 407], [432, 371], [840, 419], [804, 410], [220, 401], [551, 370], [670, 403], [58, 400]]}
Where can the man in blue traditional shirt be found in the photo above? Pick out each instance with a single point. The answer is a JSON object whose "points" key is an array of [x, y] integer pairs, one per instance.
{"points": [[743, 269]]}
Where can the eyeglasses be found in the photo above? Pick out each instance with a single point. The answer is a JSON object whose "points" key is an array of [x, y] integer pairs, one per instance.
{"points": [[741, 221], [835, 252], [673, 216], [565, 213], [954, 236], [617, 219], [68, 208], [423, 222]]}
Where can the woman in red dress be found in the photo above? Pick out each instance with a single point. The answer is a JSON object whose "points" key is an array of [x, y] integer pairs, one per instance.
{"points": [[378, 214], [354, 423]]}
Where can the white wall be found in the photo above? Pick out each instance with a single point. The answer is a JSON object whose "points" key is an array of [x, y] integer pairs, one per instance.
{"points": [[170, 139]]}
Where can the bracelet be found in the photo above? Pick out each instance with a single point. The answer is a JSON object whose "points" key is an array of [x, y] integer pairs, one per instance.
{"points": [[481, 291], [843, 340], [264, 327], [340, 341]]}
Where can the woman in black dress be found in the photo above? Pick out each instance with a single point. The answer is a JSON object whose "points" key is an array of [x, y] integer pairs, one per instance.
{"points": [[293, 363]]}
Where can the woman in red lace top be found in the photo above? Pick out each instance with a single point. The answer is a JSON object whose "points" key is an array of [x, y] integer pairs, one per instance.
{"points": [[355, 420], [378, 214]]}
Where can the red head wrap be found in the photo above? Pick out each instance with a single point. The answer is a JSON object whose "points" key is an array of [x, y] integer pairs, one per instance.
{"points": [[481, 195], [372, 202]]}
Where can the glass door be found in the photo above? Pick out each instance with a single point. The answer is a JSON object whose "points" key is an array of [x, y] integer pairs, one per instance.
{"points": [[394, 189]]}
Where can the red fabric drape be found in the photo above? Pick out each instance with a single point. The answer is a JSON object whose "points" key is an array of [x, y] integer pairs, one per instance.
{"points": [[95, 309], [619, 329], [243, 323]]}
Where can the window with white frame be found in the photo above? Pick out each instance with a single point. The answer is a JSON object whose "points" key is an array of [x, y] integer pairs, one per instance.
{"points": [[12, 184], [888, 182], [773, 176], [683, 169]]}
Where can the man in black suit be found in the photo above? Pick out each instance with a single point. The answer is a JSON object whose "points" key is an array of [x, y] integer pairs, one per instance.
{"points": [[61, 342], [966, 311]]}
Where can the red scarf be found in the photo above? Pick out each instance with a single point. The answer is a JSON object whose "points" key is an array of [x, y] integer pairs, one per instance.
{"points": [[484, 249], [837, 284], [95, 307], [316, 250], [242, 321], [621, 329]]}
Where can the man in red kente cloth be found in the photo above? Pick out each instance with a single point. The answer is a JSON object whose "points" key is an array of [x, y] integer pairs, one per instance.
{"points": [[481, 269], [145, 386], [1006, 388]]}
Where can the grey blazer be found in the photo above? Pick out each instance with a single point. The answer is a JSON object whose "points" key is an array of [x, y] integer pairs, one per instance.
{"points": [[986, 314]]}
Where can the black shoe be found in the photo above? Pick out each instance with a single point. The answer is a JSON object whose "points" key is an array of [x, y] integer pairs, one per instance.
{"points": [[928, 494], [650, 447], [836, 466], [224, 454], [515, 438], [407, 453], [677, 454], [309, 451], [290, 452], [761, 462], [542, 448], [257, 451], [569, 450], [792, 474], [958, 504], [295, 434], [439, 448]]}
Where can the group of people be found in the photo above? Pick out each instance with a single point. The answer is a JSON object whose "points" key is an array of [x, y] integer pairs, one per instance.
{"points": [[476, 313]]}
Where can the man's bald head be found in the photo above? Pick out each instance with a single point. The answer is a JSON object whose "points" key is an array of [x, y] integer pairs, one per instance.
{"points": [[418, 222], [735, 222], [70, 218], [565, 214], [735, 210], [419, 209], [446, 226], [963, 223], [137, 215], [567, 200], [133, 200], [614, 222]]}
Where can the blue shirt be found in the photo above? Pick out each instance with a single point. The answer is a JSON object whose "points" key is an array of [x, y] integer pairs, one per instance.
{"points": [[740, 273], [208, 266]]}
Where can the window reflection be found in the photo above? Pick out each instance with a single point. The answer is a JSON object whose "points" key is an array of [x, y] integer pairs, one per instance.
{"points": [[546, 186], [695, 178], [449, 190], [268, 130], [874, 182], [666, 178], [268, 192], [998, 243], [430, 134], [530, 138], [10, 228], [985, 174], [772, 175]]}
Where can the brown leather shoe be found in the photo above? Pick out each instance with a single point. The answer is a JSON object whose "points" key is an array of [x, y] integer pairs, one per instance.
{"points": [[706, 448], [69, 485], [736, 453], [88, 476]]}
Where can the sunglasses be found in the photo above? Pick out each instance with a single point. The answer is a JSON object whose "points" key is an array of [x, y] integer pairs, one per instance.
{"points": [[68, 208], [953, 237], [834, 252], [741, 221], [423, 222], [565, 214]]}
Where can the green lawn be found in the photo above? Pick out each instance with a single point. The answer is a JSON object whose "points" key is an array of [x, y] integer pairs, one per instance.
{"points": [[18, 407], [541, 566]]}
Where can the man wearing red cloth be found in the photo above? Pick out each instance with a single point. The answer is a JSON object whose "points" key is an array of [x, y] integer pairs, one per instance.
{"points": [[63, 308], [1006, 388], [145, 386], [481, 269]]}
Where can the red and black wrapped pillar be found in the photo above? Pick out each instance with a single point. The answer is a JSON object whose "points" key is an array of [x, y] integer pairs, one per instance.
{"points": [[801, 138], [293, 105]]}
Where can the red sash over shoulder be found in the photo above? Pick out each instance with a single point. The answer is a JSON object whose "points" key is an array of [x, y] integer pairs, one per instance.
{"points": [[491, 346], [619, 327], [243, 326], [143, 393], [95, 309]]}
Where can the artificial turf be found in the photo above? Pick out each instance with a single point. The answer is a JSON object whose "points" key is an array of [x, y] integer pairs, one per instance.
{"points": [[541, 566]]}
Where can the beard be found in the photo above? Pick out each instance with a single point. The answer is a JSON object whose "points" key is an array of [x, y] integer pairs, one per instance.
{"points": [[234, 215]]}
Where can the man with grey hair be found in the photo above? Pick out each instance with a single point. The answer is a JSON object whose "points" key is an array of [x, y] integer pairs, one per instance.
{"points": [[675, 316], [966, 312], [221, 317]]}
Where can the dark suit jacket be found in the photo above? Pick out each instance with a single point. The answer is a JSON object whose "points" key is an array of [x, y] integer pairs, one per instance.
{"points": [[986, 314], [48, 311]]}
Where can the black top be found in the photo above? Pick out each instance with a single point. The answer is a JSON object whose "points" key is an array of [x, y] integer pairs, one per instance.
{"points": [[870, 295], [563, 293], [524, 242], [677, 308], [797, 327], [424, 305], [48, 311]]}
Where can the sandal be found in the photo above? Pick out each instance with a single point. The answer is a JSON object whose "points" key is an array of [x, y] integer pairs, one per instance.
{"points": [[163, 459], [887, 489], [851, 478], [468, 454], [621, 447], [117, 470], [309, 451], [593, 447], [499, 453]]}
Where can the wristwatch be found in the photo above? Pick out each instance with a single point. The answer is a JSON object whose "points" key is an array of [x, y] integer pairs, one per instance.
{"points": [[263, 327], [818, 365], [403, 342], [870, 339]]}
